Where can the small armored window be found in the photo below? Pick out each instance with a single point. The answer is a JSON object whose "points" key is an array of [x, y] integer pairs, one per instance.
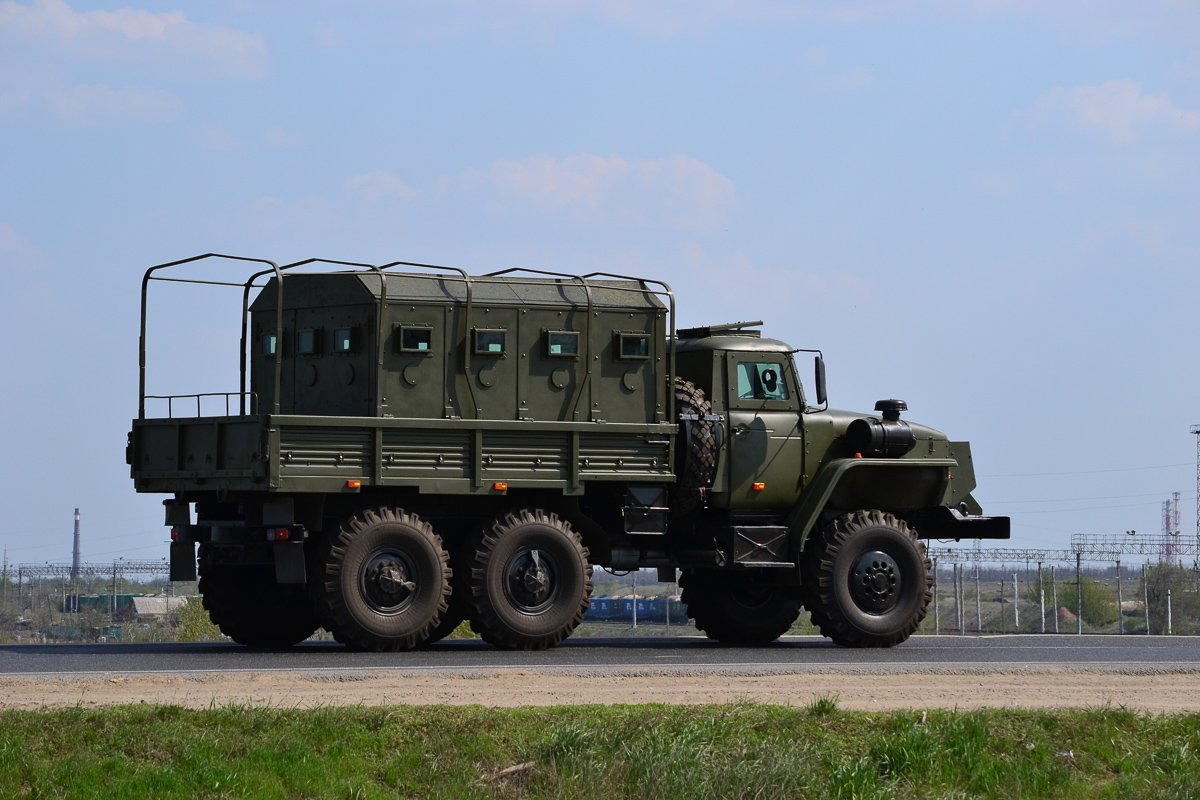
{"points": [[562, 343], [415, 340], [489, 342], [633, 345], [761, 382], [268, 344], [308, 342], [343, 340]]}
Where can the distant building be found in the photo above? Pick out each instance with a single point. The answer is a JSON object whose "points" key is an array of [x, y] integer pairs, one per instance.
{"points": [[155, 608]]}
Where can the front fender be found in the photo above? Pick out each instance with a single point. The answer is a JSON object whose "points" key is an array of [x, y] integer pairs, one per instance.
{"points": [[855, 483]]}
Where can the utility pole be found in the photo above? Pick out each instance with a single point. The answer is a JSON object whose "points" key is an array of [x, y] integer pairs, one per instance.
{"points": [[1079, 593], [1016, 607], [1042, 596], [635, 574], [1146, 598], [936, 626], [1196, 430], [957, 608], [1120, 615], [1054, 592], [978, 610], [962, 598]]}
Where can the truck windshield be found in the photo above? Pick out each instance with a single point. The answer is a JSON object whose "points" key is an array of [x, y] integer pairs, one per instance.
{"points": [[761, 381]]}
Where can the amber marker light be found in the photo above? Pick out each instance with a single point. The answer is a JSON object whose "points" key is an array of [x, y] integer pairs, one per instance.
{"points": [[500, 486], [353, 484], [758, 487]]}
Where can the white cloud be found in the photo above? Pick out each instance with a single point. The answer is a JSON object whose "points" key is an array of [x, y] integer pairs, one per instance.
{"points": [[134, 35], [218, 140], [773, 293], [374, 187], [102, 104], [677, 190], [327, 37], [1116, 110], [96, 104], [1095, 20]]}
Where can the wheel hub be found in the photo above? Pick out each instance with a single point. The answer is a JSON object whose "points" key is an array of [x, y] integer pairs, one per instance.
{"points": [[875, 582], [387, 581], [530, 580]]}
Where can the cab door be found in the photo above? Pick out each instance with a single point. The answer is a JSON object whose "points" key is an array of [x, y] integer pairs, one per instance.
{"points": [[766, 441]]}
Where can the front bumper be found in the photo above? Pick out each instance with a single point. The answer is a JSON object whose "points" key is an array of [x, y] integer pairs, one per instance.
{"points": [[948, 523]]}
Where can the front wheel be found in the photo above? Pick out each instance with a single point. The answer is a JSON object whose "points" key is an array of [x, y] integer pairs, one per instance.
{"points": [[736, 608], [866, 580]]}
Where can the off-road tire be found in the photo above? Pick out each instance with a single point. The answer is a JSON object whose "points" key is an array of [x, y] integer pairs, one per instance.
{"points": [[458, 608], [361, 593], [827, 566], [731, 608], [500, 614], [695, 459], [250, 608]]}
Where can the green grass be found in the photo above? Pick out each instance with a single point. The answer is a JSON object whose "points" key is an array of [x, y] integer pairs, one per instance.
{"points": [[738, 751]]}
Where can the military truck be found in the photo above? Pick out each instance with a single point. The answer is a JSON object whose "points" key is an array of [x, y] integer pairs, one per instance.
{"points": [[409, 450]]}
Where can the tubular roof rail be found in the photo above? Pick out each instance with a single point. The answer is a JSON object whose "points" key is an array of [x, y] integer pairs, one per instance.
{"points": [[278, 272]]}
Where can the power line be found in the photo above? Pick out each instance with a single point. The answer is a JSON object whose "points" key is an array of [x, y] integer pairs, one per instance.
{"points": [[1084, 472], [1081, 508], [1078, 499]]}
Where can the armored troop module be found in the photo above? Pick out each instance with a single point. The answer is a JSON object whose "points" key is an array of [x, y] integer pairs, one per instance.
{"points": [[417, 449]]}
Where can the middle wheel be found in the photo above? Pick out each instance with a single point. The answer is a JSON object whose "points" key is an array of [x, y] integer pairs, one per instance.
{"points": [[385, 581], [530, 581], [736, 608]]}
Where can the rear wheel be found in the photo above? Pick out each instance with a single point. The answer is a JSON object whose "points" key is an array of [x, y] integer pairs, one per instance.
{"points": [[250, 608], [736, 608], [385, 581], [866, 579], [530, 581]]}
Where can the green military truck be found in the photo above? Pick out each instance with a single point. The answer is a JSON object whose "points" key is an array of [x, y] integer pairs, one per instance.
{"points": [[408, 450]]}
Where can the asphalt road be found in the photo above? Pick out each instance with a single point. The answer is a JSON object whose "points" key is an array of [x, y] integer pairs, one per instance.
{"points": [[799, 653]]}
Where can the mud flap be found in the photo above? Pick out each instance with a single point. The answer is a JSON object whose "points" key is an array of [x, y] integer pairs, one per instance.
{"points": [[289, 562], [183, 561]]}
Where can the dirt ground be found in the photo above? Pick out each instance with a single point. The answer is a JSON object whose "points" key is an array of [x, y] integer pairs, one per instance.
{"points": [[1143, 690]]}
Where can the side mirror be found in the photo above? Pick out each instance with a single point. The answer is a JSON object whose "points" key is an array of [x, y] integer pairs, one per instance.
{"points": [[819, 364]]}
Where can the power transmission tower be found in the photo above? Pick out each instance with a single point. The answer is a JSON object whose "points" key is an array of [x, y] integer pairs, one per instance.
{"points": [[1196, 430]]}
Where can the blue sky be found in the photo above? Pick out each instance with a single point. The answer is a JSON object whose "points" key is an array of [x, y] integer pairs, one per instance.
{"points": [[988, 209]]}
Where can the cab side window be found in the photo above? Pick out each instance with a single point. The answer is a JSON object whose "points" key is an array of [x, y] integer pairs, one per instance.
{"points": [[761, 381]]}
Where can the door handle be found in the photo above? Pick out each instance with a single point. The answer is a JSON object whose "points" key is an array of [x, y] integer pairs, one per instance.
{"points": [[743, 428]]}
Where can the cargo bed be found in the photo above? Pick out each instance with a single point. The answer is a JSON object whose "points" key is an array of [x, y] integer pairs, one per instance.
{"points": [[286, 453]]}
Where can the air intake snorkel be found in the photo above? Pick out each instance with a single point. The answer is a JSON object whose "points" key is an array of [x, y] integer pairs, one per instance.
{"points": [[888, 437]]}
